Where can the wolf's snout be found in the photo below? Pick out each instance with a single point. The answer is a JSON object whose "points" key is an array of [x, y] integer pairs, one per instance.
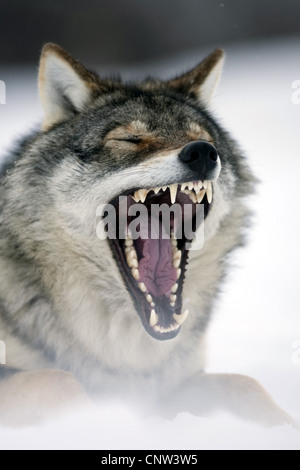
{"points": [[201, 157]]}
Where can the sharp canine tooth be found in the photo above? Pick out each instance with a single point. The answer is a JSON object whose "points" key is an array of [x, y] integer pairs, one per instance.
{"points": [[180, 319], [205, 184], [173, 192], [143, 194], [135, 273], [153, 318], [209, 193], [142, 287], [175, 288], [136, 196], [201, 196]]}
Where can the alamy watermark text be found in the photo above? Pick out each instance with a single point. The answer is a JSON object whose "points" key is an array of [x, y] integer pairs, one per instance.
{"points": [[296, 94], [158, 222], [2, 92], [296, 353], [2, 353]]}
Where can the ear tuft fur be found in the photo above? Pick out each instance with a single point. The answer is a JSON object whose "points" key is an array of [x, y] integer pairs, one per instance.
{"points": [[201, 82], [66, 86]]}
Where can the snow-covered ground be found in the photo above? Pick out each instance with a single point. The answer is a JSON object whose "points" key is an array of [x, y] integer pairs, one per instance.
{"points": [[256, 327]]}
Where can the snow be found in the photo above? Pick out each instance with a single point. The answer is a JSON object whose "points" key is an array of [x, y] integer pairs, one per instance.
{"points": [[117, 428], [256, 327]]}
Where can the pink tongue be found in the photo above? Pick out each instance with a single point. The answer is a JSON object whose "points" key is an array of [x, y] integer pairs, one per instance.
{"points": [[156, 265]]}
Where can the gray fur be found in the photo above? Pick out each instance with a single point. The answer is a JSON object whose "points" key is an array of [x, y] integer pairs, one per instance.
{"points": [[63, 301]]}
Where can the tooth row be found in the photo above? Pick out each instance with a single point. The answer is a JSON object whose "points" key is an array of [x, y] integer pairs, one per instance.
{"points": [[175, 288], [197, 186], [161, 329], [135, 274], [173, 242], [140, 196], [196, 198], [173, 299], [143, 288], [196, 191], [131, 258], [177, 254]]}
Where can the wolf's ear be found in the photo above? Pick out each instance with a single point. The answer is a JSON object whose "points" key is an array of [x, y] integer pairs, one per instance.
{"points": [[201, 82], [66, 86]]}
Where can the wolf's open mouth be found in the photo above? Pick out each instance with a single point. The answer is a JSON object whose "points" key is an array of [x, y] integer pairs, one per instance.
{"points": [[154, 268]]}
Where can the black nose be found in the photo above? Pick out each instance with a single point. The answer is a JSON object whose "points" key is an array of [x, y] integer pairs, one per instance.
{"points": [[200, 157]]}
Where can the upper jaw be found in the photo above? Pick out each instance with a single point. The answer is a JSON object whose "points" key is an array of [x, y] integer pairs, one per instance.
{"points": [[195, 190]]}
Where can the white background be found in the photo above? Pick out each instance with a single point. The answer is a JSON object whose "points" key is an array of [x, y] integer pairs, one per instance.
{"points": [[256, 325]]}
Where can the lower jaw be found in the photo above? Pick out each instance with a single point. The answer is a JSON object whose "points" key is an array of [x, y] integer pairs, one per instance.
{"points": [[161, 317]]}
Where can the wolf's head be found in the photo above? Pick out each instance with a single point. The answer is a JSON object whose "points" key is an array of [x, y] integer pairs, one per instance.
{"points": [[136, 146]]}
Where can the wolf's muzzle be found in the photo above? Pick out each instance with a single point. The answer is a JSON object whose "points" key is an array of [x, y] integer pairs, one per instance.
{"points": [[201, 157]]}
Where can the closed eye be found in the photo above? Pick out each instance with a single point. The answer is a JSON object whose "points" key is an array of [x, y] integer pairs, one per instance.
{"points": [[131, 140]]}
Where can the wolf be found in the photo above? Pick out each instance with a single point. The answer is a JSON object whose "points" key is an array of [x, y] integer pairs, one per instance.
{"points": [[85, 318]]}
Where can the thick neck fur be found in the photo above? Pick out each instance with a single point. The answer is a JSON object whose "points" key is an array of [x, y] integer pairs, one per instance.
{"points": [[74, 287]]}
